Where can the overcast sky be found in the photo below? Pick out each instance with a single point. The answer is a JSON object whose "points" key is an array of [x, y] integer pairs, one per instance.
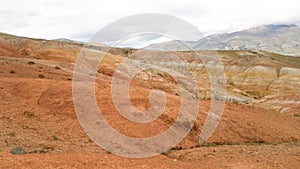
{"points": [[80, 19]]}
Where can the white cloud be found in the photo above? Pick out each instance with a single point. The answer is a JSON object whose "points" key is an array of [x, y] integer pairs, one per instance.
{"points": [[139, 41], [80, 19]]}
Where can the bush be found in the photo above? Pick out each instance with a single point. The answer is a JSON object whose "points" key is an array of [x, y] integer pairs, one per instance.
{"points": [[12, 134], [41, 76], [125, 51], [12, 71], [31, 62], [166, 153], [28, 114], [55, 137], [56, 67], [296, 115]]}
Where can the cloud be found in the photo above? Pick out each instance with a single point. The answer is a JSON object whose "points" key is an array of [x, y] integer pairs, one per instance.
{"points": [[80, 19], [138, 41]]}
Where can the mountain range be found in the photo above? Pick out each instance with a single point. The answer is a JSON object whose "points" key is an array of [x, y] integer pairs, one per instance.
{"points": [[283, 39]]}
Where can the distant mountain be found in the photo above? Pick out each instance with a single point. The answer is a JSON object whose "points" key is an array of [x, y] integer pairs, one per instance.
{"points": [[284, 39], [68, 40]]}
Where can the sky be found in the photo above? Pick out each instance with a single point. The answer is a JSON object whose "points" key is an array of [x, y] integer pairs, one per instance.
{"points": [[81, 19]]}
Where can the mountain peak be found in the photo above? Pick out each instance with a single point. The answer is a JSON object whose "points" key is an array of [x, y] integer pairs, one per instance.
{"points": [[272, 26], [281, 38]]}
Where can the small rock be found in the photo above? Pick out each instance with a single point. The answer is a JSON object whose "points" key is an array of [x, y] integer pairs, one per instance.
{"points": [[18, 150]]}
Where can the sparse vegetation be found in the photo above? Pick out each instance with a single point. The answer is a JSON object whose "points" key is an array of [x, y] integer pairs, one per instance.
{"points": [[44, 150], [28, 114], [126, 51], [250, 143], [209, 145], [31, 62], [55, 137], [12, 134], [257, 143], [296, 115], [293, 61], [166, 153], [12, 71], [41, 76]]}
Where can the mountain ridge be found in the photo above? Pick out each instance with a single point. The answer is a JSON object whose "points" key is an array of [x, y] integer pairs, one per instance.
{"points": [[283, 39]]}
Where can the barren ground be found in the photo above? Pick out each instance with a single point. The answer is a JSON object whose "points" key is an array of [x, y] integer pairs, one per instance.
{"points": [[37, 114]]}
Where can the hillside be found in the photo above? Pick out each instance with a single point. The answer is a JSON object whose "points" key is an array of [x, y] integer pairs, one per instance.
{"points": [[282, 39], [260, 123]]}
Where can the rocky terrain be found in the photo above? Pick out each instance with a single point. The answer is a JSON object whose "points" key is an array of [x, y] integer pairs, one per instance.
{"points": [[260, 126], [283, 39]]}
